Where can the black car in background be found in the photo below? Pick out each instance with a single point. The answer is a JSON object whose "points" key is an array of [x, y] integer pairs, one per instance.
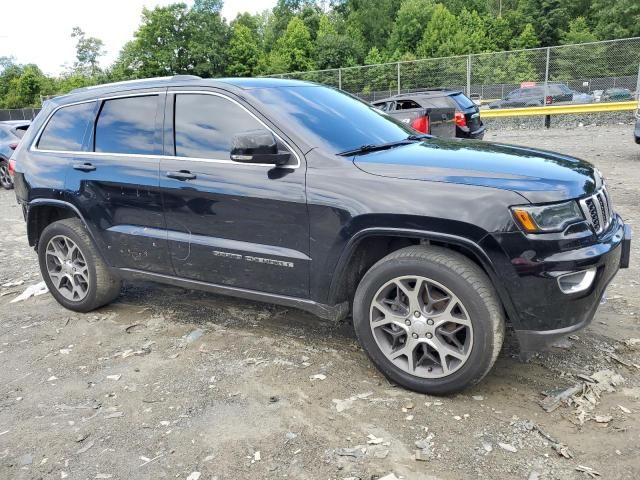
{"points": [[298, 194], [467, 113], [11, 132], [535, 96]]}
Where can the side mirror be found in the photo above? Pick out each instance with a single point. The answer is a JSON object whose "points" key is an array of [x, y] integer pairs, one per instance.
{"points": [[257, 146]]}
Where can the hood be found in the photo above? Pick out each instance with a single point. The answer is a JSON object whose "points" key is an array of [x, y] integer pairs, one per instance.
{"points": [[537, 175]]}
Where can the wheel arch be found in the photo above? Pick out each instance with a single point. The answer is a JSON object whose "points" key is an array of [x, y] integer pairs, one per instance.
{"points": [[370, 245], [42, 212]]}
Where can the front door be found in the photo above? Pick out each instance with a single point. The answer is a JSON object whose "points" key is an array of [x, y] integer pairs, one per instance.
{"points": [[229, 223]]}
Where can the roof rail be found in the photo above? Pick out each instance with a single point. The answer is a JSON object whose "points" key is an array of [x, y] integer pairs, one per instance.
{"points": [[186, 77], [137, 80]]}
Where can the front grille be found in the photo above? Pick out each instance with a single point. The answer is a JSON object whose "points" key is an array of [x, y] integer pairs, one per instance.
{"points": [[598, 210]]}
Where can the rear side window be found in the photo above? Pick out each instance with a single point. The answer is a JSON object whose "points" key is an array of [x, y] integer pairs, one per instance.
{"points": [[127, 125], [406, 105], [438, 102], [205, 125], [20, 131], [463, 101], [67, 128]]}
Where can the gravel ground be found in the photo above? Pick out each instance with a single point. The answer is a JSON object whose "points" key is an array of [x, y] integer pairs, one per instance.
{"points": [[169, 383]]}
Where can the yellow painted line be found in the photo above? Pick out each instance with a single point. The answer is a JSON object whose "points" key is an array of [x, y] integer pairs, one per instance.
{"points": [[560, 109]]}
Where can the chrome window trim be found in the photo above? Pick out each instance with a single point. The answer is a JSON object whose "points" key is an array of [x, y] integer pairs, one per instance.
{"points": [[34, 148]]}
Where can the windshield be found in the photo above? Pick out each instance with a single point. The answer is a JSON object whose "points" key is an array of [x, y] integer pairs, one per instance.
{"points": [[463, 101], [336, 119]]}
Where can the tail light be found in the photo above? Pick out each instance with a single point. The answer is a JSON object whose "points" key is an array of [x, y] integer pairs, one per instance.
{"points": [[548, 100], [421, 124], [12, 167], [461, 120], [13, 146]]}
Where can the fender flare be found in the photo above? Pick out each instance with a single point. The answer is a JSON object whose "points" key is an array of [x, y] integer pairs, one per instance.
{"points": [[40, 202], [469, 245]]}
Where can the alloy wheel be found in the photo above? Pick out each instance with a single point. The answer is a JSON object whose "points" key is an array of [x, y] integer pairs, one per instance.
{"points": [[5, 178], [421, 326], [67, 268]]}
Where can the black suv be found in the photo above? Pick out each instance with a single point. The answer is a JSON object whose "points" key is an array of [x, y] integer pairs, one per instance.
{"points": [[467, 114], [298, 194]]}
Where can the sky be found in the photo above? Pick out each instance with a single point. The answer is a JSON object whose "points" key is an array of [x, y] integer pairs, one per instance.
{"points": [[39, 31]]}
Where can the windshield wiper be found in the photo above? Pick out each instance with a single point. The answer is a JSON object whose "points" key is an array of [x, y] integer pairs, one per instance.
{"points": [[374, 148]]}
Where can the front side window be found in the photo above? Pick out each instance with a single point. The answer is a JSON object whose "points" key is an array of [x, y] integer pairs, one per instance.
{"points": [[67, 128], [206, 124], [127, 125]]}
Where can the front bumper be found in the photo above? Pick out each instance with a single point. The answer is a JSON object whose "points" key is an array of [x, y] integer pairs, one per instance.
{"points": [[540, 311]]}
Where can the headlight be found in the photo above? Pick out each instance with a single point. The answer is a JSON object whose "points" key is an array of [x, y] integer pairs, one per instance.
{"points": [[547, 218]]}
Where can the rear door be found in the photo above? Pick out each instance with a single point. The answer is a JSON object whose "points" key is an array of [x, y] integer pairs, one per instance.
{"points": [[115, 182], [236, 224]]}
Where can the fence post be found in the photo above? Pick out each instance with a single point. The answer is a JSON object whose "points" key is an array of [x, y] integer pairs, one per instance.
{"points": [[547, 118], [398, 65], [638, 87], [340, 78], [469, 75]]}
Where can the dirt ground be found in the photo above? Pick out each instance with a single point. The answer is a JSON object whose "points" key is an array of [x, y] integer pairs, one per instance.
{"points": [[169, 383]]}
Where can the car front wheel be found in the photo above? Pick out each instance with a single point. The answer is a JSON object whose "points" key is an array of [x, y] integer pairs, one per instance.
{"points": [[429, 319]]}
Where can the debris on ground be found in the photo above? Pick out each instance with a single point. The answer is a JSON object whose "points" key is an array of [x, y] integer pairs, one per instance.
{"points": [[14, 283], [588, 471], [373, 440], [585, 396], [507, 447], [318, 376], [32, 291], [424, 448], [194, 335], [356, 452], [390, 476], [85, 448], [347, 403], [194, 476]]}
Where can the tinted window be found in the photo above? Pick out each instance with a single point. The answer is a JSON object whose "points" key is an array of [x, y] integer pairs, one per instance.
{"points": [[66, 129], [438, 102], [127, 125], [20, 131], [406, 105], [334, 118], [205, 125], [463, 101]]}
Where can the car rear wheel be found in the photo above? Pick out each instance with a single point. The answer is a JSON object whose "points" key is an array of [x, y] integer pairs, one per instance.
{"points": [[5, 178], [429, 319], [72, 268]]}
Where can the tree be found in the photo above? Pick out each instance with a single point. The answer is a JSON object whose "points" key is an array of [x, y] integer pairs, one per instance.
{"points": [[579, 32], [618, 19], [526, 39], [437, 40], [373, 19], [244, 52], [332, 49], [293, 51], [88, 50], [409, 26]]}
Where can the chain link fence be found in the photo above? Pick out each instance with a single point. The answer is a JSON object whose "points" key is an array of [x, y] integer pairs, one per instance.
{"points": [[588, 70], [18, 114]]}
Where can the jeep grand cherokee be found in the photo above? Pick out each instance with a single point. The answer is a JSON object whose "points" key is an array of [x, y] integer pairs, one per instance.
{"points": [[298, 194]]}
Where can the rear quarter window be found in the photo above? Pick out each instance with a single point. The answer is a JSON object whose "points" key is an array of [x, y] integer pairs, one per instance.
{"points": [[463, 101], [67, 128]]}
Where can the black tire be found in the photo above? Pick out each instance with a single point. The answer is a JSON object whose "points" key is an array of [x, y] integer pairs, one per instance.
{"points": [[104, 285], [462, 277], [5, 179]]}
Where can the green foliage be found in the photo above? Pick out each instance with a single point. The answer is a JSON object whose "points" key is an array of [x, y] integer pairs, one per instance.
{"points": [[409, 26], [293, 52], [88, 50], [579, 32], [526, 39], [244, 52]]}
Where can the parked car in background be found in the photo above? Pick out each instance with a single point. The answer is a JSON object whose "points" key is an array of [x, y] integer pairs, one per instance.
{"points": [[616, 94], [467, 114], [433, 120], [11, 132], [535, 96], [636, 132], [299, 194]]}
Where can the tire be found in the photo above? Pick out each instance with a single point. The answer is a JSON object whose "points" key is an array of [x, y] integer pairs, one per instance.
{"points": [[70, 289], [454, 283], [5, 179]]}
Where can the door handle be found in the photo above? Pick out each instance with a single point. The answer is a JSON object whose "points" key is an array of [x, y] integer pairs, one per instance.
{"points": [[182, 175], [84, 167]]}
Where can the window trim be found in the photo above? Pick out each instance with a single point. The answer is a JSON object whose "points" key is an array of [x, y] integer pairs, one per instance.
{"points": [[167, 91]]}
